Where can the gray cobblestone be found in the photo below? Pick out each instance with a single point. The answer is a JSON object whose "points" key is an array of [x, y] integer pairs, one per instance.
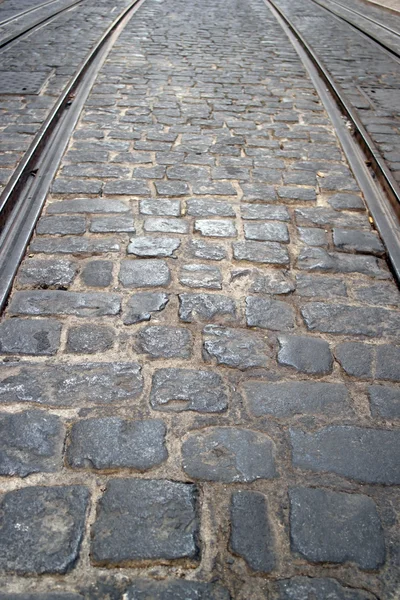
{"points": [[384, 401], [141, 306], [27, 336], [269, 314], [150, 246], [305, 354], [74, 245], [89, 339], [47, 273], [88, 205], [201, 276], [205, 250], [113, 224], [61, 225], [234, 347], [64, 303], [387, 362], [168, 208], [167, 342], [206, 307], [144, 273], [97, 273], [302, 588], [215, 228], [270, 253], [166, 225], [355, 358], [176, 590]]}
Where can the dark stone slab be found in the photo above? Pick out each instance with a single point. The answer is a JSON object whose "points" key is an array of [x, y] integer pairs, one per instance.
{"points": [[264, 211], [162, 207], [172, 188], [55, 302], [355, 240], [206, 307], [346, 202], [97, 273], [202, 207], [144, 273], [315, 588], [201, 276], [186, 389], [31, 442], [164, 341], [335, 527], [300, 397], [166, 225], [61, 225], [140, 306], [252, 537], [269, 232], [130, 187], [236, 348], [343, 450], [270, 253], [318, 259], [320, 216], [355, 358], [320, 286], [384, 401], [205, 250], [388, 361], [170, 589], [88, 205], [27, 336], [42, 529], [70, 385], [144, 519], [313, 236], [114, 224], [35, 272], [89, 339], [228, 454], [305, 354], [269, 314], [73, 245], [273, 282], [112, 442], [378, 293], [152, 246]]}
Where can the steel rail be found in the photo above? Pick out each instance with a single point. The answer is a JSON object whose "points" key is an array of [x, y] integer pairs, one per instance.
{"points": [[378, 23], [380, 43], [383, 200], [25, 12], [23, 198], [12, 37]]}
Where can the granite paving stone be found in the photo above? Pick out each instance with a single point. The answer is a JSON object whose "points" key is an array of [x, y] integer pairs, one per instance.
{"points": [[206, 307], [201, 276], [305, 354], [171, 589], [27, 336], [384, 401], [81, 304], [97, 273], [47, 273], [356, 358], [318, 588], [140, 306], [269, 314], [89, 339], [271, 253], [144, 273], [387, 362], [163, 341], [150, 246], [235, 348]]}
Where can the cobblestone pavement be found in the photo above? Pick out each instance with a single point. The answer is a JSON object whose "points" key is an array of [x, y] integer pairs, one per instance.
{"points": [[368, 74], [46, 60], [200, 374]]}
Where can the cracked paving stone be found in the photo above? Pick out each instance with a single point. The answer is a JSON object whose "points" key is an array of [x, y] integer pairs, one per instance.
{"points": [[161, 341], [342, 450], [144, 273], [151, 246], [144, 519], [215, 228], [335, 527], [89, 339], [70, 385], [228, 454], [388, 362], [318, 588], [344, 319], [236, 348], [27, 336], [270, 253], [42, 529], [47, 273], [55, 302], [251, 536], [305, 354], [205, 250], [206, 307], [97, 273], [273, 282], [186, 389], [384, 401], [170, 589], [112, 442], [140, 306], [269, 314], [31, 442], [267, 232], [355, 358], [285, 399], [202, 276]]}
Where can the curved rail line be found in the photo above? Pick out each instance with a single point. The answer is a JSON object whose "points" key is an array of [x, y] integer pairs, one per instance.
{"points": [[23, 197], [369, 35], [26, 12], [13, 36], [383, 200], [374, 21]]}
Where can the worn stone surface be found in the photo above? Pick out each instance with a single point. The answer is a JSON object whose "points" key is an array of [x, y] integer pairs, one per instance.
{"points": [[42, 529], [335, 527], [144, 273], [215, 228], [319, 259], [166, 342], [388, 362], [206, 307], [186, 389], [80, 304], [291, 398], [31, 442], [143, 519], [153, 246], [273, 282], [343, 449], [47, 273], [251, 533], [205, 250], [384, 401], [234, 347], [229, 454], [303, 588], [269, 314], [97, 273], [140, 306], [175, 590], [355, 358], [352, 240], [266, 232], [27, 336], [201, 276], [305, 354], [111, 442], [89, 339], [270, 253]]}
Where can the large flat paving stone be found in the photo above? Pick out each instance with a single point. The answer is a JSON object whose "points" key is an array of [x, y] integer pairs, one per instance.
{"points": [[251, 536], [319, 588], [229, 454], [165, 342], [170, 589], [269, 314], [142, 305], [151, 246], [113, 442], [234, 347], [334, 527], [47, 273], [39, 337], [305, 354], [70, 385], [343, 450], [144, 273], [31, 442], [270, 253], [356, 358], [57, 302], [42, 528], [188, 389], [206, 307], [384, 401], [144, 519], [285, 399]]}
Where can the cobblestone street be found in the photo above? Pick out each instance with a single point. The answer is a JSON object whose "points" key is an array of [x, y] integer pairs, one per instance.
{"points": [[199, 373]]}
